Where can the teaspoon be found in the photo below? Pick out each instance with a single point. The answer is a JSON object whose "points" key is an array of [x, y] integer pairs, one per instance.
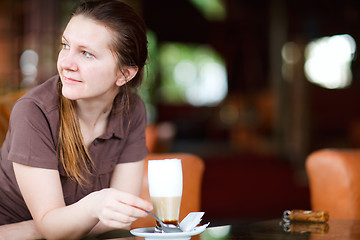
{"points": [[165, 227]]}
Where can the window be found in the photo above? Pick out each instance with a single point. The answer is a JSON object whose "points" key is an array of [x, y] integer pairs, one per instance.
{"points": [[328, 61], [193, 74]]}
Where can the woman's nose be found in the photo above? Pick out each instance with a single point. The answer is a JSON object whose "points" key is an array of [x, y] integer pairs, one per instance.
{"points": [[68, 62]]}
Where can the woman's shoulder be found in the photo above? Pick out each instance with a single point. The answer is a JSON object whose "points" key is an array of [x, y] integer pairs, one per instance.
{"points": [[137, 105], [136, 100], [44, 95]]}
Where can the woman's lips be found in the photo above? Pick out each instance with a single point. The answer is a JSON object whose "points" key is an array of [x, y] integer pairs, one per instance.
{"points": [[71, 80]]}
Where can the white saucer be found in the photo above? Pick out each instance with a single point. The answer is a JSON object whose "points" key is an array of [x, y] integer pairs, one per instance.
{"points": [[148, 233]]}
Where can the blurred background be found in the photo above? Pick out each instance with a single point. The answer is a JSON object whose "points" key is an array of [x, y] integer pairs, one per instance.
{"points": [[251, 86]]}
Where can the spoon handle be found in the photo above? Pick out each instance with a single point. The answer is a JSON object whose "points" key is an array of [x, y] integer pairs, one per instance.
{"points": [[157, 219]]}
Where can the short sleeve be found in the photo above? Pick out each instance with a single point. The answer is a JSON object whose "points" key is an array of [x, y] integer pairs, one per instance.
{"points": [[135, 147], [30, 136]]}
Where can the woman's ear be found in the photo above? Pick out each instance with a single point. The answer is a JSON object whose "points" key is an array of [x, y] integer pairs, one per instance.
{"points": [[126, 75]]}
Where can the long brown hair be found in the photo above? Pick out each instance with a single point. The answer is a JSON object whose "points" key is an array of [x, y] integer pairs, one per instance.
{"points": [[129, 45]]}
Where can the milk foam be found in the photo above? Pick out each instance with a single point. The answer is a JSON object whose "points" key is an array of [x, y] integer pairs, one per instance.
{"points": [[165, 178]]}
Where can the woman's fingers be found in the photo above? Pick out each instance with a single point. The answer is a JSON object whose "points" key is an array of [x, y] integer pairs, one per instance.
{"points": [[119, 209], [139, 205], [116, 219]]}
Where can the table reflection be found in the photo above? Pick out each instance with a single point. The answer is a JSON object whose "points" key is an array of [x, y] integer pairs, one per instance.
{"points": [[339, 229], [305, 227]]}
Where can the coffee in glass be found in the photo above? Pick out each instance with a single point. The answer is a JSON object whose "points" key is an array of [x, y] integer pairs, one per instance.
{"points": [[165, 187]]}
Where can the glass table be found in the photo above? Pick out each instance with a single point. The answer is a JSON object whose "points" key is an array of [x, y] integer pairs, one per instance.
{"points": [[339, 229]]}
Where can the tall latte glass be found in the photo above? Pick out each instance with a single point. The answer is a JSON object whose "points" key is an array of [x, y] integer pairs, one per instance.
{"points": [[165, 187]]}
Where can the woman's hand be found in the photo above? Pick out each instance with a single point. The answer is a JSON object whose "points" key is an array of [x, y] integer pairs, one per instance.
{"points": [[127, 179], [117, 209]]}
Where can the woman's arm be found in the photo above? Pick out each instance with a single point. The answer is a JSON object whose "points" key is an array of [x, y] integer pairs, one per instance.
{"points": [[19, 231], [42, 192], [127, 177]]}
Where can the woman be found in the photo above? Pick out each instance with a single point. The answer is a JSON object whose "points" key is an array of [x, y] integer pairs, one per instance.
{"points": [[73, 157]]}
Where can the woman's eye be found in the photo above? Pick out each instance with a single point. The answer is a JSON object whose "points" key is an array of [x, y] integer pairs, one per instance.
{"points": [[65, 46], [87, 54]]}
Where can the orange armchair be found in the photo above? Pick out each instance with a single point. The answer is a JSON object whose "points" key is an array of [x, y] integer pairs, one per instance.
{"points": [[334, 181], [6, 103], [193, 170]]}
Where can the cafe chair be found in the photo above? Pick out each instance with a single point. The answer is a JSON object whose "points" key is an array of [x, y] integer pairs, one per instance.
{"points": [[7, 101], [193, 169], [160, 136], [151, 137], [334, 182]]}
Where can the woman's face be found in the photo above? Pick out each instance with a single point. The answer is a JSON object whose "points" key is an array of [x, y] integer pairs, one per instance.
{"points": [[87, 68]]}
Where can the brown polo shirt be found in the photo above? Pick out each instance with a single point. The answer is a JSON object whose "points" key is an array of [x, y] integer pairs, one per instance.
{"points": [[33, 136]]}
